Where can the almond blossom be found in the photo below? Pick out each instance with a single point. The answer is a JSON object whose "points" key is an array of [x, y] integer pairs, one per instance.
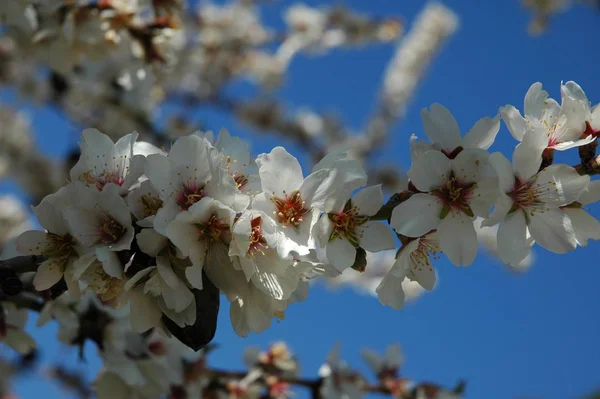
{"points": [[292, 200], [413, 261], [186, 176], [203, 233], [345, 226], [451, 193], [589, 123], [262, 251], [528, 208], [563, 124], [56, 243], [103, 162], [100, 221]]}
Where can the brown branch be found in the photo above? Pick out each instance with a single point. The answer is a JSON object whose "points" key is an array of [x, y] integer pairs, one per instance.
{"points": [[23, 264]]}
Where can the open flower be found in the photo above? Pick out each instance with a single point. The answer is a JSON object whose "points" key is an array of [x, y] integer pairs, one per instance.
{"points": [[292, 200], [101, 221], [187, 175], [589, 123], [528, 208], [103, 162], [144, 202], [203, 234], [413, 262], [56, 243], [263, 252], [563, 125], [339, 381], [451, 193], [345, 226], [157, 290]]}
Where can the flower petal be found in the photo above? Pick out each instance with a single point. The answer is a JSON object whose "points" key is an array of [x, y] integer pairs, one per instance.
{"points": [[279, 172], [458, 239], [527, 157], [368, 200], [483, 134], [552, 229], [514, 121], [376, 236], [430, 170], [47, 275], [340, 253], [390, 291], [514, 243], [32, 242], [416, 216], [441, 127]]}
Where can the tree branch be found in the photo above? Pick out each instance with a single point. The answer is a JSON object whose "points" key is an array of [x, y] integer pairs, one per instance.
{"points": [[23, 264]]}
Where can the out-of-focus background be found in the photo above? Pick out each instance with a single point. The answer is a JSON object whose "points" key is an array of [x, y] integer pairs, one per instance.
{"points": [[509, 334]]}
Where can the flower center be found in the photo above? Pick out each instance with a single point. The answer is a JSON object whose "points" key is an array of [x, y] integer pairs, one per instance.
{"points": [[257, 239], [215, 229], [525, 194], [103, 179], [240, 180], [420, 257], [151, 205], [290, 209], [345, 224], [455, 195], [110, 231], [105, 286], [59, 246], [189, 195]]}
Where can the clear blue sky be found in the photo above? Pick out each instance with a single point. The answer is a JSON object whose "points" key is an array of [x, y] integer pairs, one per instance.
{"points": [[510, 336]]}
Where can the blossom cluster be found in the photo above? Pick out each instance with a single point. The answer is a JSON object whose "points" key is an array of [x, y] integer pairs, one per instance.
{"points": [[152, 229], [154, 366]]}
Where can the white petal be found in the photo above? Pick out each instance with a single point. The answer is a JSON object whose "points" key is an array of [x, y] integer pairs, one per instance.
{"points": [[368, 200], [151, 242], [458, 239], [470, 165], [376, 236], [585, 225], [430, 170], [552, 229], [340, 253], [110, 262], [591, 194], [527, 157], [374, 361], [504, 170], [483, 134], [390, 291], [563, 185], [194, 275], [19, 340], [279, 172], [441, 127], [48, 273], [514, 244], [183, 235], [514, 121], [32, 242], [416, 216], [535, 101], [145, 313]]}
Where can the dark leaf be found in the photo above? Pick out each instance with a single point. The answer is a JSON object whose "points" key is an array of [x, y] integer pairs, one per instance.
{"points": [[203, 331]]}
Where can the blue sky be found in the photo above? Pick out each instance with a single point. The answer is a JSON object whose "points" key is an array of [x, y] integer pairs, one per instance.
{"points": [[510, 336]]}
